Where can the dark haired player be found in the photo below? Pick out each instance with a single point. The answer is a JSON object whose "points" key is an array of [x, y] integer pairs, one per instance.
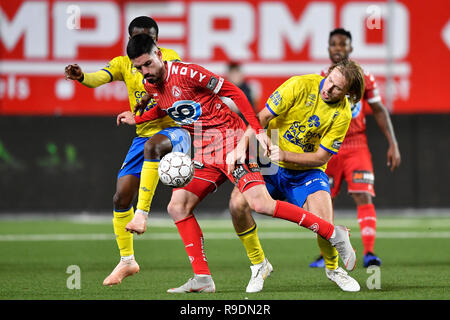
{"points": [[163, 136], [354, 161], [190, 95]]}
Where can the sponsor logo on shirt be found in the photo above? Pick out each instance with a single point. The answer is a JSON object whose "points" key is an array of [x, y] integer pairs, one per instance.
{"points": [[298, 135]]}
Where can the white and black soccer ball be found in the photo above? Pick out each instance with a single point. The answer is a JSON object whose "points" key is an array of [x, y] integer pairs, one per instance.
{"points": [[176, 169]]}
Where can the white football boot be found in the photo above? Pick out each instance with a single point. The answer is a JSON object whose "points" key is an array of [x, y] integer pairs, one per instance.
{"points": [[341, 241], [199, 283], [342, 279], [260, 272]]}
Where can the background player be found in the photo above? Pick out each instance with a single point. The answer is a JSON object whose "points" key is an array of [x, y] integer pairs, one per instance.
{"points": [[311, 115], [191, 94], [165, 137], [354, 161]]}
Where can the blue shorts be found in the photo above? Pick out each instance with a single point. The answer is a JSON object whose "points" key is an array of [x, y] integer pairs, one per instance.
{"points": [[295, 186], [180, 139]]}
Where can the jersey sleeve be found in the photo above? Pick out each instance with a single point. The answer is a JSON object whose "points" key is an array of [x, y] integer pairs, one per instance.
{"points": [[371, 93], [231, 91], [333, 138], [218, 85], [111, 72], [150, 115], [282, 99]]}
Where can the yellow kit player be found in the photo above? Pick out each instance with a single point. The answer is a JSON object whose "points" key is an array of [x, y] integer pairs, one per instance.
{"points": [[164, 136], [154, 140], [311, 116]]}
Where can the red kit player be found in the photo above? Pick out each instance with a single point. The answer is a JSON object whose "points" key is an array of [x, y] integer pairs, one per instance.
{"points": [[354, 161], [190, 95]]}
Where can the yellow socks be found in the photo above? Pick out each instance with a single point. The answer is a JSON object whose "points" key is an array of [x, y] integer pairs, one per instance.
{"points": [[251, 243], [147, 187], [124, 238], [329, 253]]}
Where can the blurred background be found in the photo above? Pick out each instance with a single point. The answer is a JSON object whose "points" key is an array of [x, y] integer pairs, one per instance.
{"points": [[60, 148]]}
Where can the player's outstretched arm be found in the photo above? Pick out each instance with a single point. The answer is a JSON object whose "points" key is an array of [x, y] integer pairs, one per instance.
{"points": [[150, 115], [91, 79], [73, 72], [126, 117], [231, 91]]}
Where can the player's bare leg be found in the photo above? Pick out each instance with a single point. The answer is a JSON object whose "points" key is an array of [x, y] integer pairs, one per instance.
{"points": [[260, 201], [127, 187], [320, 203], [243, 222], [181, 208], [154, 149]]}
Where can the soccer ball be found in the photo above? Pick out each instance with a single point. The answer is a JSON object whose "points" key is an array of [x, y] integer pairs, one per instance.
{"points": [[176, 169]]}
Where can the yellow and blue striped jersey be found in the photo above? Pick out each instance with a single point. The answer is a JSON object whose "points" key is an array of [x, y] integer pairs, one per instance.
{"points": [[121, 69], [305, 122]]}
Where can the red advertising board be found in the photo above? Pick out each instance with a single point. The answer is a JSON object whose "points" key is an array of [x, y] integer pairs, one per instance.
{"points": [[404, 44]]}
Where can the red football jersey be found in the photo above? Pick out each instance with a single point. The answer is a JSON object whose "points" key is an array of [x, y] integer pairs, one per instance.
{"points": [[356, 134], [190, 95]]}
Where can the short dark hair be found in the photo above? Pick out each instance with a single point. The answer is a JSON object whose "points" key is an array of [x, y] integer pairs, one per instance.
{"points": [[140, 44], [340, 31], [234, 65], [143, 22]]}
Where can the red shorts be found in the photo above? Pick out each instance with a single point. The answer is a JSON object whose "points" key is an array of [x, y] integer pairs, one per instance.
{"points": [[208, 178], [355, 166]]}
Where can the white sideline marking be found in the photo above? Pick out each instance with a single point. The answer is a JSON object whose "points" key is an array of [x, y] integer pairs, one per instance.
{"points": [[212, 235]]}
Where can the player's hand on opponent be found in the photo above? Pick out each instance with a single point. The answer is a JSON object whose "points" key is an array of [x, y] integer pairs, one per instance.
{"points": [[126, 117], [393, 157], [265, 142], [73, 72], [142, 104], [239, 154]]}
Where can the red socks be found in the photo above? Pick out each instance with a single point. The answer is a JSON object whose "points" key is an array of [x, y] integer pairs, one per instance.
{"points": [[367, 220], [285, 210], [192, 237]]}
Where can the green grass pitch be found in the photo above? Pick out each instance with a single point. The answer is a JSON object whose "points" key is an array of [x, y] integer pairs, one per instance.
{"points": [[35, 255]]}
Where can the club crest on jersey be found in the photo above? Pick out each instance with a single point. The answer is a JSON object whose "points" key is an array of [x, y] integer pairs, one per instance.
{"points": [[314, 121], [176, 92]]}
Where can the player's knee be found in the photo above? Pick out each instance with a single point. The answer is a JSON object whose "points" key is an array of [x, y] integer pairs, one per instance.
{"points": [[154, 150], [362, 198], [177, 211], [238, 205], [262, 204], [257, 205]]}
